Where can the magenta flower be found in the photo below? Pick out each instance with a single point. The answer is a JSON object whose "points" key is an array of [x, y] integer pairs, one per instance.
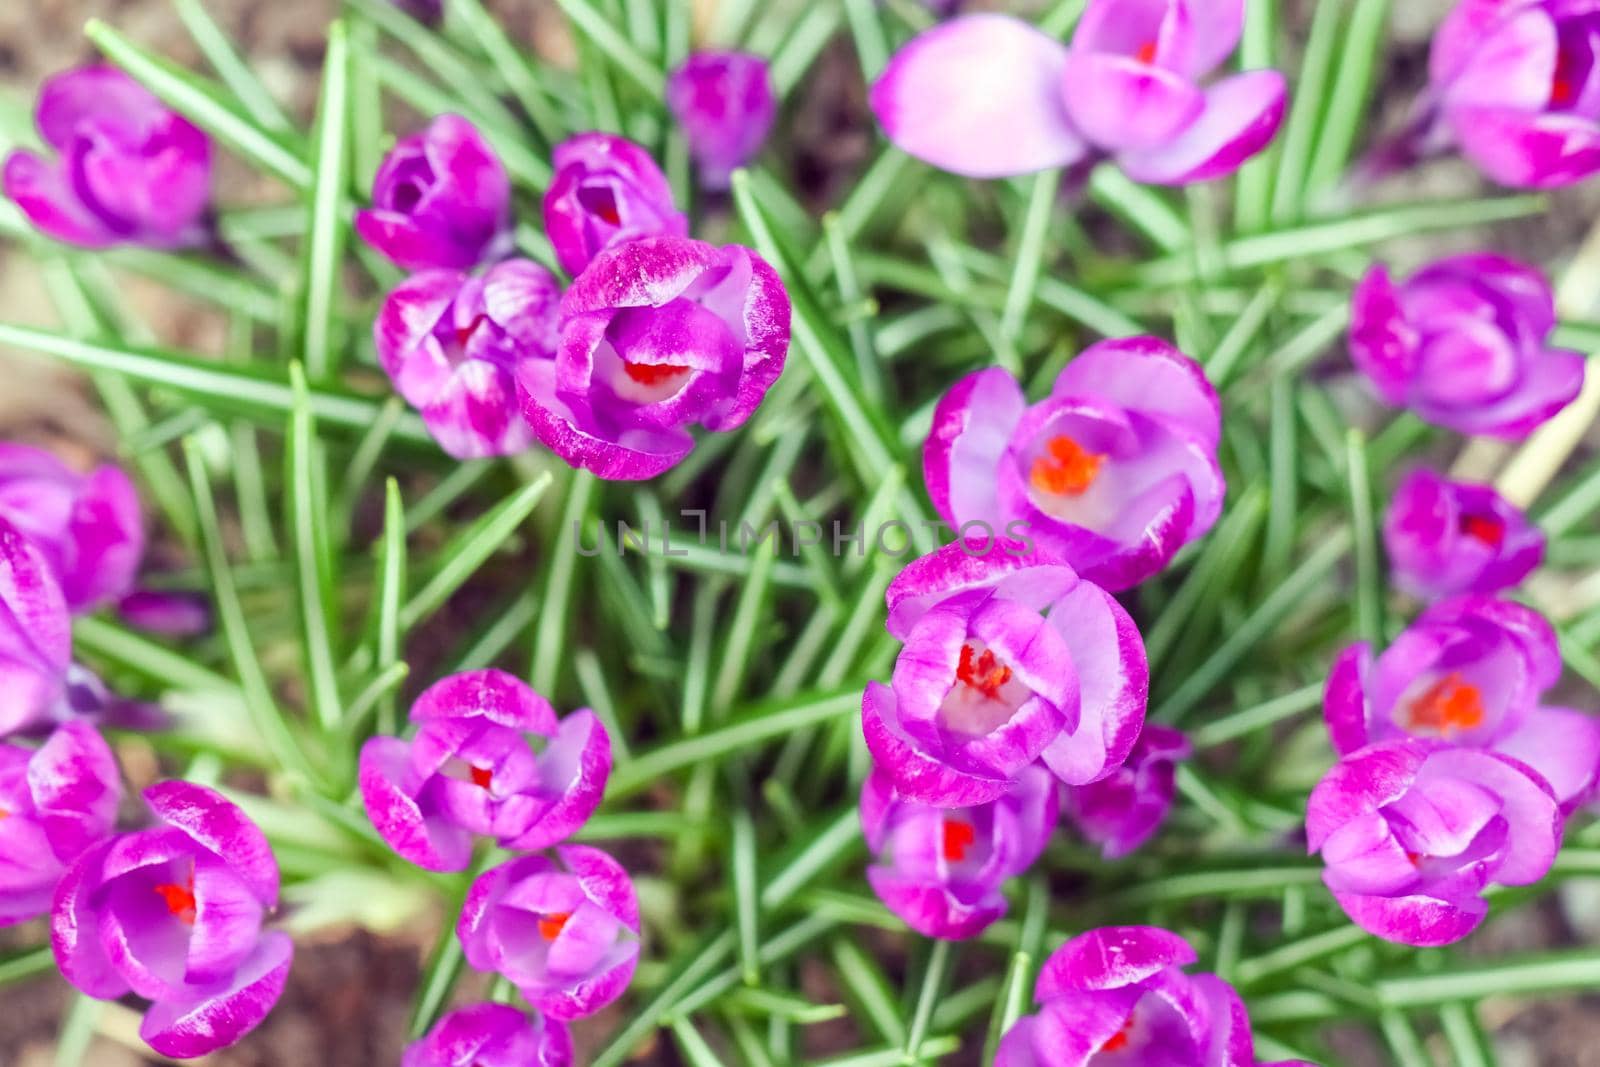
{"points": [[87, 526], [1113, 472], [129, 169], [441, 199], [657, 335], [55, 802], [726, 103], [941, 869], [607, 191], [1006, 660], [990, 96], [35, 637], [565, 932], [1464, 344], [174, 914], [1412, 831], [1445, 538], [1470, 671], [1119, 994], [451, 343], [1514, 83], [1123, 810], [492, 1035], [470, 770]]}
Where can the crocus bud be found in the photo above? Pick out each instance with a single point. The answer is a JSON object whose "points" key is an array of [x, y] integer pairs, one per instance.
{"points": [[1445, 538], [1112, 473], [1472, 671], [55, 801], [451, 342], [657, 335], [1517, 86], [941, 869], [129, 170], [1464, 343], [606, 191], [87, 526], [35, 637], [492, 1035], [991, 96], [1412, 831], [726, 103], [1123, 810], [1120, 994], [174, 914], [470, 770], [565, 932], [441, 199], [1006, 660]]}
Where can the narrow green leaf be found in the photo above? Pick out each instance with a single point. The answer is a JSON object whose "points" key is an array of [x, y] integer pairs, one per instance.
{"points": [[1349, 100], [233, 70], [934, 978], [550, 632], [391, 595], [308, 514], [746, 896], [1369, 613], [1030, 252], [106, 640], [518, 73], [600, 30], [326, 229], [1307, 98]]}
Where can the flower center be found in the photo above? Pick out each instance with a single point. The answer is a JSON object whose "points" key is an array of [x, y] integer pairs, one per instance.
{"points": [[1146, 52], [1119, 1040], [464, 333], [1066, 468], [4, 814], [1483, 528], [957, 837], [550, 926], [982, 671], [652, 373], [1564, 80], [601, 201], [481, 776], [1448, 704], [179, 899]]}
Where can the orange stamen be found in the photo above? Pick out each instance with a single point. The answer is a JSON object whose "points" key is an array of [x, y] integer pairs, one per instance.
{"points": [[1448, 704], [1146, 52], [481, 777], [652, 373], [180, 899], [550, 926], [1067, 469], [984, 673], [957, 838], [4, 814], [1482, 528], [1414, 858], [1119, 1040]]}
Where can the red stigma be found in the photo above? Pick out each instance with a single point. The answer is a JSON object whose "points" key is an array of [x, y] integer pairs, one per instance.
{"points": [[601, 202], [1564, 80], [1066, 469], [1448, 704], [982, 672], [1483, 528], [179, 899], [652, 373], [481, 777], [550, 926], [1146, 52], [464, 333], [1119, 1040], [956, 839]]}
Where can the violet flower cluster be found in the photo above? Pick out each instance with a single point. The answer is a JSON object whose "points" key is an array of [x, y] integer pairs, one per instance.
{"points": [[990, 96], [1120, 994], [490, 759], [725, 103], [1446, 538], [656, 334]]}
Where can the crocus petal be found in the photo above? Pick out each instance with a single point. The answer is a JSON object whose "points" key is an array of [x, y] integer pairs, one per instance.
{"points": [[931, 910], [573, 769], [1114, 679], [75, 784], [203, 1018], [1510, 67], [573, 433], [915, 774], [1241, 116], [227, 923], [1344, 699], [1160, 381], [979, 96], [1360, 784], [1534, 150], [1121, 103], [75, 929], [1563, 745], [1418, 920], [43, 192], [1549, 383], [1110, 958], [971, 428], [604, 881], [491, 694], [1006, 567], [217, 824], [396, 815]]}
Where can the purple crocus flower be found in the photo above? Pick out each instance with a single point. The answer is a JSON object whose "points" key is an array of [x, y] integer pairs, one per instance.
{"points": [[941, 869], [1119, 994], [441, 199], [129, 169], [492, 1035], [35, 637], [451, 342], [565, 932], [1464, 343], [1006, 660], [1123, 810], [657, 335], [55, 801], [1113, 472], [1470, 670], [1516, 85], [470, 770], [726, 103], [174, 914], [990, 96], [1446, 538], [87, 526], [606, 191], [1412, 831]]}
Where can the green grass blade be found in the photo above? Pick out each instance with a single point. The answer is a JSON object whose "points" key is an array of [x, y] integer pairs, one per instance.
{"points": [[468, 550], [327, 230]]}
